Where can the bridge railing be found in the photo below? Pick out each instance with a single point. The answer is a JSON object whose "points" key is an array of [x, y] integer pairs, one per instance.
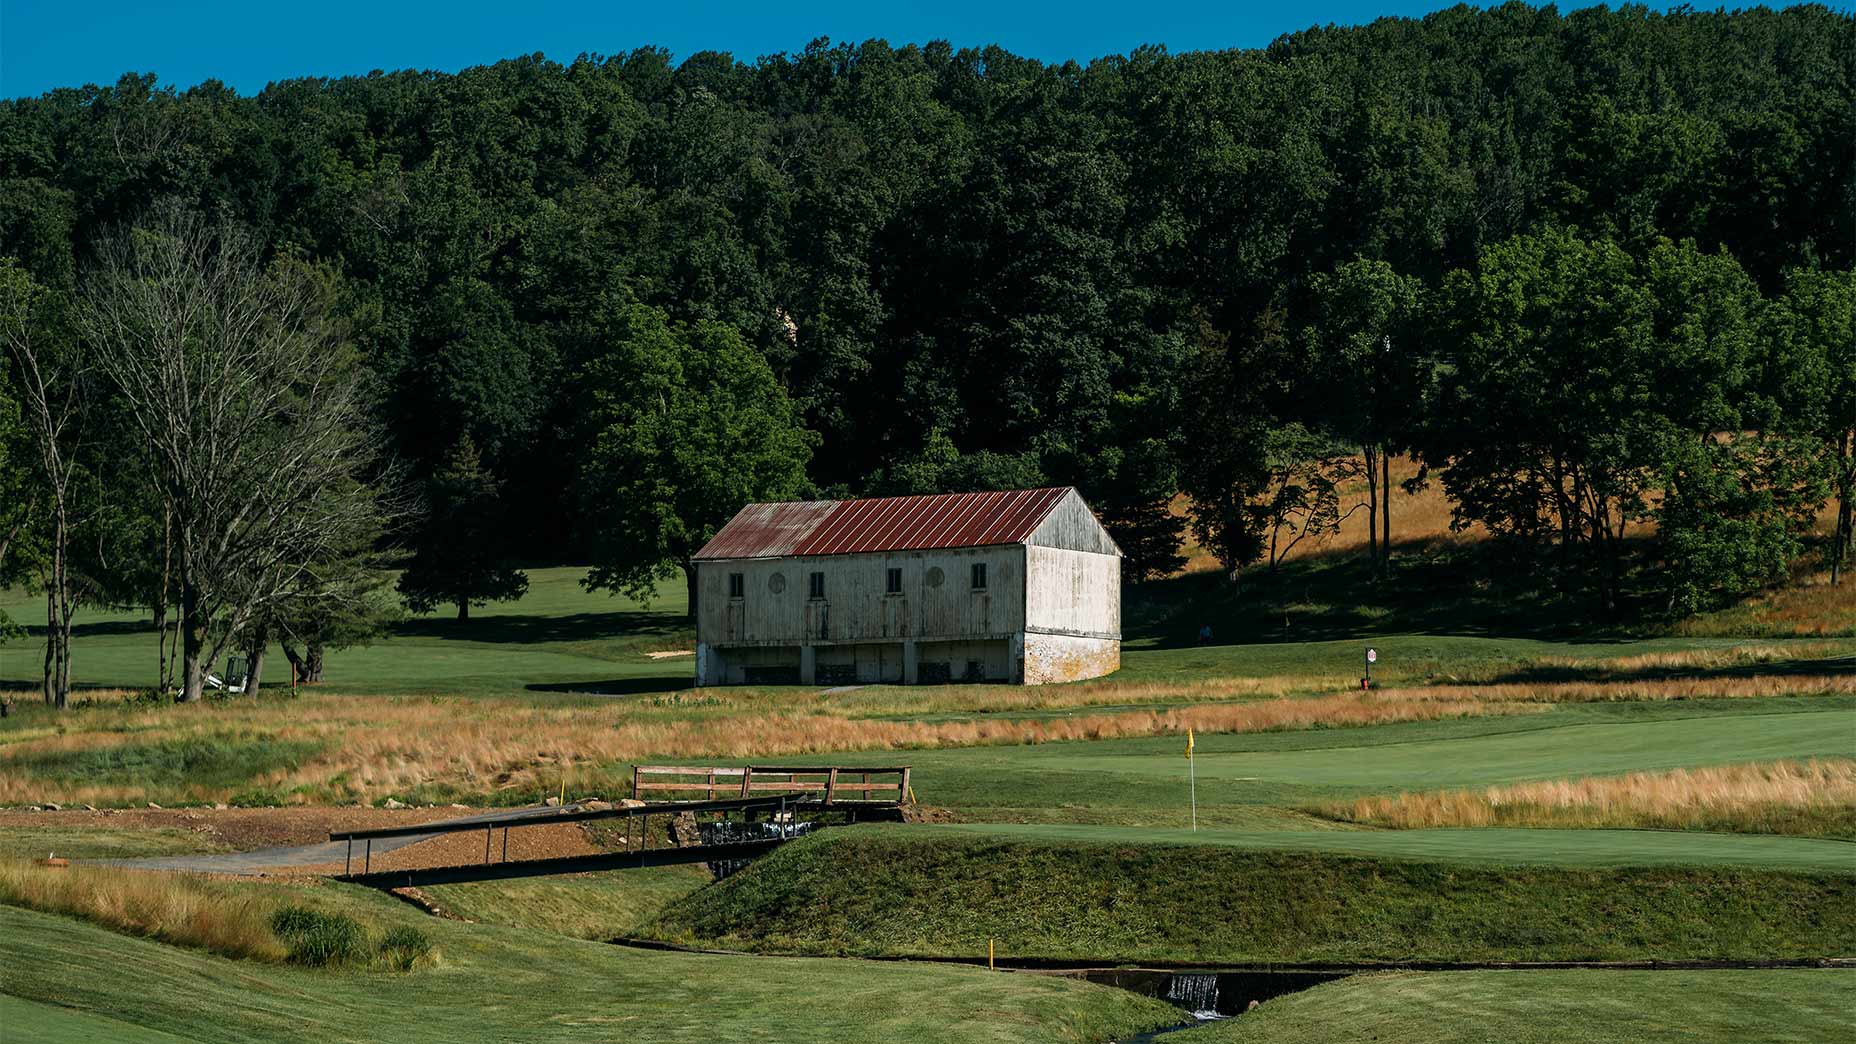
{"points": [[832, 785]]}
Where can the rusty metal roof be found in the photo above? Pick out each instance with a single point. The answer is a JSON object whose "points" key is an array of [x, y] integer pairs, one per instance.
{"points": [[843, 527]]}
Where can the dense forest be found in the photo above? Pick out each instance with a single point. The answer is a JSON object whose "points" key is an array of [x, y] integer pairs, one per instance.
{"points": [[1593, 269]]}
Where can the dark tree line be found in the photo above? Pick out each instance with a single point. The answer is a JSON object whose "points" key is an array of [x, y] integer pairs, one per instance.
{"points": [[1592, 268]]}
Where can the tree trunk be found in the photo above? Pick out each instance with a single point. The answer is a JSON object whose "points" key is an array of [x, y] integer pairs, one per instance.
{"points": [[160, 611], [463, 610], [1840, 543], [254, 669], [1372, 509], [164, 649], [61, 624], [312, 662], [1385, 511], [193, 644], [51, 628]]}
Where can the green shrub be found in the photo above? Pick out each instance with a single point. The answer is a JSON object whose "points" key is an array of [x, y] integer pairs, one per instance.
{"points": [[318, 939], [403, 948]]}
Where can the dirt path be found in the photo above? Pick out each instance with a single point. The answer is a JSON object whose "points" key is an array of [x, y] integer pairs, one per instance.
{"points": [[279, 840]]}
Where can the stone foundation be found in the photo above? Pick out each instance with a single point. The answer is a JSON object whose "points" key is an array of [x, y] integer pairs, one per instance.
{"points": [[1066, 657]]}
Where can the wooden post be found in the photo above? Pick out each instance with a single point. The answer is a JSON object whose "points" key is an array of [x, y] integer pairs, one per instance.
{"points": [[635, 783], [902, 793], [747, 776], [831, 784]]}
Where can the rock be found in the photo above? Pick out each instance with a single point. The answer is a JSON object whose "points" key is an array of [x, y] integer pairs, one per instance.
{"points": [[88, 808], [219, 806], [595, 805], [630, 803], [52, 807], [393, 803], [551, 802], [154, 806], [455, 804]]}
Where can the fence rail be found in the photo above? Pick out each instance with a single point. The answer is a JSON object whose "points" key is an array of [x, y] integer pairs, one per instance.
{"points": [[886, 785]]}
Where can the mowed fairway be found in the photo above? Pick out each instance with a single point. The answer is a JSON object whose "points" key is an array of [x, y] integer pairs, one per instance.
{"points": [[1145, 780], [1552, 1007], [513, 985], [1515, 847]]}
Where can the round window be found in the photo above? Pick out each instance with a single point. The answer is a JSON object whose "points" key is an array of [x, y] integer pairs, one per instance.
{"points": [[935, 576], [776, 583]]}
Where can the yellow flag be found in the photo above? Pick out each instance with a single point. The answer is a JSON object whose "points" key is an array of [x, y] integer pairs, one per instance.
{"points": [[1188, 742]]}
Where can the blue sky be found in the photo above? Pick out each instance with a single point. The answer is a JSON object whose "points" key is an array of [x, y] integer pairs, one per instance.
{"points": [[53, 43]]}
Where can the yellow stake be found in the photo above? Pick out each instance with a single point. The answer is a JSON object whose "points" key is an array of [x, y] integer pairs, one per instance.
{"points": [[989, 966]]}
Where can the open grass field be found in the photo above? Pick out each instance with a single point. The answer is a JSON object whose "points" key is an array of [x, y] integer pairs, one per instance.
{"points": [[1499, 845], [1549, 1007], [1335, 826]]}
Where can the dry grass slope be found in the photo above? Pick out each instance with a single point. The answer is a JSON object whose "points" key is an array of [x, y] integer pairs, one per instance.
{"points": [[1809, 798], [173, 908]]}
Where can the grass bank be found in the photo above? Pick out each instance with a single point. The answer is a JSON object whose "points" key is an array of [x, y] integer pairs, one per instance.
{"points": [[1550, 1007], [938, 893], [508, 984], [303, 925]]}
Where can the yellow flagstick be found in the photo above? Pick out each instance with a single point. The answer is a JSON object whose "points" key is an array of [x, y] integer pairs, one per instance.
{"points": [[1192, 777]]}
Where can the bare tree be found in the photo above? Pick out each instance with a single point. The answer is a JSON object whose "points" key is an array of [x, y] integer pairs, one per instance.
{"points": [[51, 372], [253, 404]]}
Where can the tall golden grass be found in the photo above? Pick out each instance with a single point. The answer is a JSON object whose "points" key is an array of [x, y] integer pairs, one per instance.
{"points": [[1808, 607], [1619, 690], [1756, 654], [374, 747], [1816, 798], [173, 908]]}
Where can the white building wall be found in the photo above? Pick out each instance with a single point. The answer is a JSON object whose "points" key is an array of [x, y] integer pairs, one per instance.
{"points": [[1072, 592], [936, 600]]}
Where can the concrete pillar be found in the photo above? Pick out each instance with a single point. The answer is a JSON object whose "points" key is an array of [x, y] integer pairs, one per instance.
{"points": [[707, 664], [808, 665], [1017, 654], [911, 663]]}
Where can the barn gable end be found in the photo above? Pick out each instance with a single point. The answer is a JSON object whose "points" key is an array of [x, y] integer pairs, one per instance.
{"points": [[1073, 527]]}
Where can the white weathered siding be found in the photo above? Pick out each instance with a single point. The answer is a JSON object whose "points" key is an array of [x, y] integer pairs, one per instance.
{"points": [[856, 608], [1072, 592], [1072, 525]]}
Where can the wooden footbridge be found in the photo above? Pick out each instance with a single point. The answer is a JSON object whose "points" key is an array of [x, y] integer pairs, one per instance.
{"points": [[766, 806]]}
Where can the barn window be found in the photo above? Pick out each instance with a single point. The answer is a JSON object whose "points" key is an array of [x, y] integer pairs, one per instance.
{"points": [[979, 576], [817, 588], [737, 585], [892, 584]]}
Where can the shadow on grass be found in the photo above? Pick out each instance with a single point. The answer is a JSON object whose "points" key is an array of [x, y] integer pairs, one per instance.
{"points": [[618, 686], [1479, 588], [525, 629], [1749, 669]]}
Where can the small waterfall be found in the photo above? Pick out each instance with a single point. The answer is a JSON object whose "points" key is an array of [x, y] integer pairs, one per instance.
{"points": [[1197, 994]]}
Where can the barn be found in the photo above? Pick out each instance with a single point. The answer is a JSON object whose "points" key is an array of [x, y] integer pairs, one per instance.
{"points": [[1020, 586]]}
